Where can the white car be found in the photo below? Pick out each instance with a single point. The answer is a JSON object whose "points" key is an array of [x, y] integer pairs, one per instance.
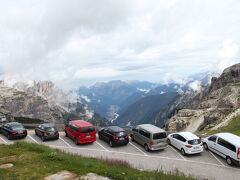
{"points": [[226, 145], [186, 142]]}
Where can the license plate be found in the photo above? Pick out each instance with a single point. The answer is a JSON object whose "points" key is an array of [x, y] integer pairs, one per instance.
{"points": [[51, 133], [195, 147], [121, 138], [88, 136], [20, 132]]}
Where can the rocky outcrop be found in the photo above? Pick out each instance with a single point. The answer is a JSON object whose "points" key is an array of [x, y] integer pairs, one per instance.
{"points": [[230, 76], [15, 103], [211, 106]]}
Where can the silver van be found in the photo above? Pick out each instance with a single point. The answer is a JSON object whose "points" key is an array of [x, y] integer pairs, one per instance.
{"points": [[149, 136]]}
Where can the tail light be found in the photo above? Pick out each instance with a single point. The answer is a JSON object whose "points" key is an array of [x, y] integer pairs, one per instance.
{"points": [[188, 146], [238, 153], [126, 137], [56, 133]]}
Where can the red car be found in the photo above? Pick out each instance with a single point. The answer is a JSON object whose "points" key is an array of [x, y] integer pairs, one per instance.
{"points": [[80, 131]]}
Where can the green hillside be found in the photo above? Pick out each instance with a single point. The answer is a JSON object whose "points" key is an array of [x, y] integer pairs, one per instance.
{"points": [[232, 127]]}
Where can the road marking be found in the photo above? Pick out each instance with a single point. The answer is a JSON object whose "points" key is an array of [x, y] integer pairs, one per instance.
{"points": [[217, 158], [65, 142], [3, 140], [102, 146], [141, 155], [138, 148], [33, 138], [177, 152]]}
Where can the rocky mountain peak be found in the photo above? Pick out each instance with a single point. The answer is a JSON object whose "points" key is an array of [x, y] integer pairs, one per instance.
{"points": [[230, 75]]}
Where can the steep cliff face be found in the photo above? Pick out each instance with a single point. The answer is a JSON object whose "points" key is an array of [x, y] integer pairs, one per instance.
{"points": [[15, 103], [210, 107]]}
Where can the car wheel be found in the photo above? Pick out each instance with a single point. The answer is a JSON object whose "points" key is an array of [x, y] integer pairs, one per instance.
{"points": [[183, 152], [132, 138], [36, 133], [100, 137], [168, 141], [146, 147], [229, 160], [205, 146], [76, 141], [66, 134], [110, 143], [42, 138], [8, 137]]}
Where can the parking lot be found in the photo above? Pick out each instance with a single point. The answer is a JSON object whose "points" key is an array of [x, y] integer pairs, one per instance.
{"points": [[204, 165]]}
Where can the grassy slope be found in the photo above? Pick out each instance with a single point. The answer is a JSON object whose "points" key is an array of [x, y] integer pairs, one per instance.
{"points": [[232, 127], [34, 161]]}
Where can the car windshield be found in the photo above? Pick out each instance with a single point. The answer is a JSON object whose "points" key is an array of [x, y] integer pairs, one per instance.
{"points": [[87, 129], [17, 127], [194, 142], [159, 135], [121, 134], [51, 129]]}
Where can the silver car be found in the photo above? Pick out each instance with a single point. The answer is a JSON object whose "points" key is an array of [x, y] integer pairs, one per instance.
{"points": [[149, 136]]}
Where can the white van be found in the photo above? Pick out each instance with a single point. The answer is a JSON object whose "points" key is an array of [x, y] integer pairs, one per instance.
{"points": [[226, 145], [149, 136]]}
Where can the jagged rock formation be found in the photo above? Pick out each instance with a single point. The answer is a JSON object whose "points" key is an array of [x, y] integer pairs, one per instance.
{"points": [[15, 103], [211, 106]]}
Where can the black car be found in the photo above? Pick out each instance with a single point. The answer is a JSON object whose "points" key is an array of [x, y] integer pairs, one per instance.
{"points": [[114, 135], [47, 132], [13, 130]]}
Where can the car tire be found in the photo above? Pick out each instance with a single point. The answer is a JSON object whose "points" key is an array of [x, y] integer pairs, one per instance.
{"points": [[43, 138], [205, 146], [66, 134], [110, 143], [8, 137], [36, 133], [100, 137], [132, 138], [229, 160], [183, 152], [146, 147], [76, 141], [168, 141]]}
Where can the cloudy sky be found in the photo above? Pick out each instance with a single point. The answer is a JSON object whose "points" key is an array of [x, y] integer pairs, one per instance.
{"points": [[79, 42]]}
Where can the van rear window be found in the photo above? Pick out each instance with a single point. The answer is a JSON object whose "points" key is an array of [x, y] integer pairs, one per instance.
{"points": [[159, 135], [87, 129]]}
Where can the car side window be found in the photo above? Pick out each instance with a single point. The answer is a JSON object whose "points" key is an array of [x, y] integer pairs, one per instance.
{"points": [[135, 129], [226, 144], [73, 127], [212, 138], [180, 138], [144, 133]]}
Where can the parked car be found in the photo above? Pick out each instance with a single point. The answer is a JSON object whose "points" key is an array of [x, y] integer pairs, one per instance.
{"points": [[186, 142], [149, 136], [226, 145], [47, 132], [114, 135], [80, 131], [13, 130]]}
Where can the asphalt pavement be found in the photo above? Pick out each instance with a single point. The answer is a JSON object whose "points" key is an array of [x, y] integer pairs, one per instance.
{"points": [[206, 165]]}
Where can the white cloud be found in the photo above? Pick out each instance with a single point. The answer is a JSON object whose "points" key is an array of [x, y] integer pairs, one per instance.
{"points": [[195, 85], [81, 42]]}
